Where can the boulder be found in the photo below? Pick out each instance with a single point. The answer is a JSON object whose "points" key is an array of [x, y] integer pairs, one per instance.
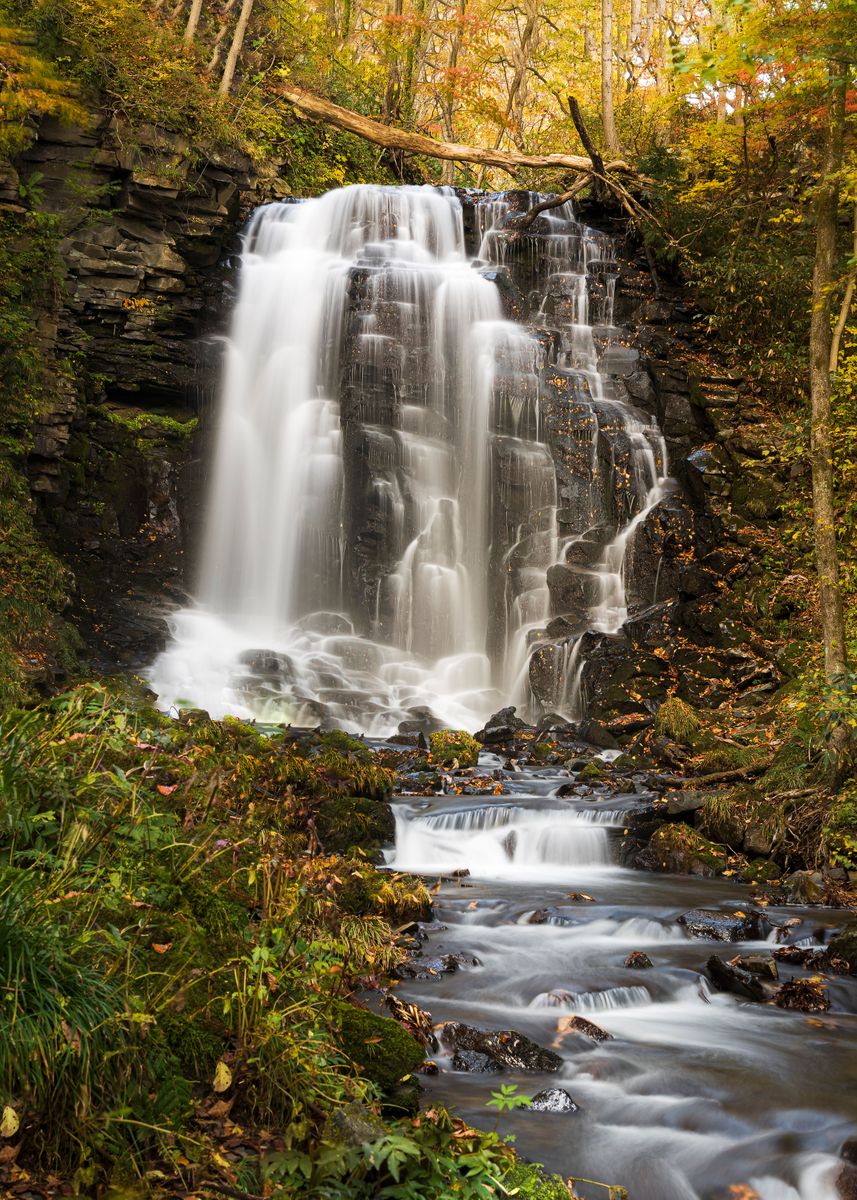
{"points": [[732, 977], [587, 1028], [844, 946], [552, 1100], [504, 1047], [354, 1124], [431, 968], [725, 927], [804, 887], [503, 726], [682, 851], [678, 804], [475, 1063]]}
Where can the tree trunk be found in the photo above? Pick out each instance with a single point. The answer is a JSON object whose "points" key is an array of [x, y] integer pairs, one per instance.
{"points": [[235, 48], [216, 49], [192, 22], [820, 340], [608, 120], [845, 306], [418, 143]]}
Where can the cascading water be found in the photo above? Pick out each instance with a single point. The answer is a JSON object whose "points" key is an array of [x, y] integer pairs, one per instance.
{"points": [[695, 1095], [383, 511]]}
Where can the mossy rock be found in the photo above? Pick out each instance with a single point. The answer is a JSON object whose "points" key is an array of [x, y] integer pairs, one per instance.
{"points": [[678, 721], [381, 1048], [542, 751], [529, 1181], [844, 945], [681, 850], [454, 744], [762, 870], [592, 770], [354, 822], [344, 743]]}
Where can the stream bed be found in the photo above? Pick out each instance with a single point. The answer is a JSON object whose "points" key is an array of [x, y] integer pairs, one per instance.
{"points": [[695, 1091]]}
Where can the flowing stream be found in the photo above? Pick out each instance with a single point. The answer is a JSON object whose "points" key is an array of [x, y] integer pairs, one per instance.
{"points": [[384, 511], [697, 1090]]}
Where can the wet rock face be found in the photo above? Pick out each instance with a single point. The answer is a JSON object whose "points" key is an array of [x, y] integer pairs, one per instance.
{"points": [[506, 1048], [844, 946], [147, 233], [734, 978]]}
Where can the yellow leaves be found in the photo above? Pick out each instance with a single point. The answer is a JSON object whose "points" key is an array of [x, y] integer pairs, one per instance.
{"points": [[9, 1122], [222, 1077]]}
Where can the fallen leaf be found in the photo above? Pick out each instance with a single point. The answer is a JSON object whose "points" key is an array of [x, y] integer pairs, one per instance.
{"points": [[9, 1122], [167, 790], [222, 1077], [161, 947]]}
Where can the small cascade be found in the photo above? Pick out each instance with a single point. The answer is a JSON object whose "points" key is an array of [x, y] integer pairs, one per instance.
{"points": [[501, 839], [389, 528]]}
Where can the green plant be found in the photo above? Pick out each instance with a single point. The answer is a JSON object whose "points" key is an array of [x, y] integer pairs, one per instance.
{"points": [[449, 745]]}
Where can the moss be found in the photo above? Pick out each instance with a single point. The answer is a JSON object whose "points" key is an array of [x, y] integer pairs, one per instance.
{"points": [[677, 720], [451, 744], [345, 823], [724, 757], [762, 870], [789, 770], [591, 771], [682, 850], [529, 1181], [344, 743], [381, 1048], [195, 1047], [542, 751]]}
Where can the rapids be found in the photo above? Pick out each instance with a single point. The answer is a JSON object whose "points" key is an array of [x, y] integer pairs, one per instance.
{"points": [[383, 506], [696, 1091]]}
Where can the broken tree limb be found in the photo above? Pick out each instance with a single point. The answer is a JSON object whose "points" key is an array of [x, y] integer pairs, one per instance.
{"points": [[419, 143], [583, 133], [525, 220]]}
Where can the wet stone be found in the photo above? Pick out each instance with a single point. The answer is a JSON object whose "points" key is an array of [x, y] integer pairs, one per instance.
{"points": [[731, 977], [505, 1047], [553, 1100], [725, 927], [475, 1063]]}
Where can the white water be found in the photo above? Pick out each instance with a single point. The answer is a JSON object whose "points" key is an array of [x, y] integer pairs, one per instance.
{"points": [[382, 507], [696, 1091]]}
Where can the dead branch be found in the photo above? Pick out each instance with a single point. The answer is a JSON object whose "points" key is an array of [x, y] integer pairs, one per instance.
{"points": [[419, 143]]}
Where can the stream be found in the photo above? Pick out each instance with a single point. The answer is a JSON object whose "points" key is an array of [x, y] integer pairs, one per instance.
{"points": [[696, 1091]]}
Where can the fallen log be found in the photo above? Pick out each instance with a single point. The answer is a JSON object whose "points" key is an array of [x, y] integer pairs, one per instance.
{"points": [[419, 143]]}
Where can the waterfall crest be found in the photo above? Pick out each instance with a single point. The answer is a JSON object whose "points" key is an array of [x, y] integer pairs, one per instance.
{"points": [[383, 509]]}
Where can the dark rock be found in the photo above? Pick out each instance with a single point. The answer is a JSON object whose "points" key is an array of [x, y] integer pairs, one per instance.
{"points": [[762, 965], [552, 1100], [725, 927], [804, 887], [681, 850], [505, 1047], [503, 726], [638, 961], [432, 968], [730, 977], [587, 1028], [475, 1063], [844, 946], [679, 803]]}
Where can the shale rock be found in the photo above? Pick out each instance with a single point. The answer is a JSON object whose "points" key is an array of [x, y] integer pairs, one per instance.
{"points": [[475, 1063], [506, 1047]]}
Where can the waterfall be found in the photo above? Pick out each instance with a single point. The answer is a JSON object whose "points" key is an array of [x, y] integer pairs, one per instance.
{"points": [[382, 515]]}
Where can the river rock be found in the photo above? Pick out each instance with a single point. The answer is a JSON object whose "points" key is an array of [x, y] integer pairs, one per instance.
{"points": [[505, 1047], [682, 851], [582, 1025], [678, 804], [431, 968], [503, 726], [844, 946], [731, 977], [804, 887], [552, 1100], [475, 1063], [638, 961], [725, 927]]}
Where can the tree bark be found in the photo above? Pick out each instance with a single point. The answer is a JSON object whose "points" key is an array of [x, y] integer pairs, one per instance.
{"points": [[845, 306], [419, 143], [216, 49], [235, 48], [608, 119], [192, 22], [820, 341]]}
